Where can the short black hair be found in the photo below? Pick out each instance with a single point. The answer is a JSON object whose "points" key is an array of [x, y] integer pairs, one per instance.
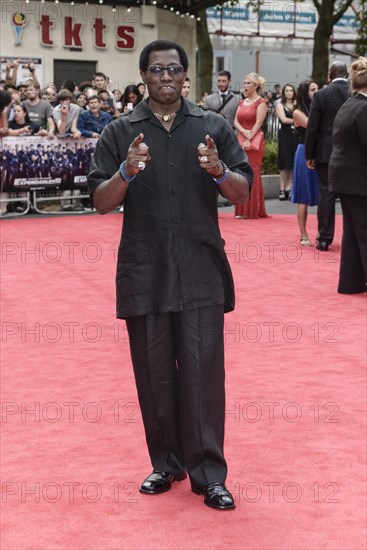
{"points": [[161, 46], [225, 73]]}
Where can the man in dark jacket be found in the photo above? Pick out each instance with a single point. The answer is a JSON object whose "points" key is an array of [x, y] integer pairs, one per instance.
{"points": [[318, 145]]}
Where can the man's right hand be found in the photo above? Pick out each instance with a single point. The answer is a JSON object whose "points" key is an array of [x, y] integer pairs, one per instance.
{"points": [[310, 163], [138, 153]]}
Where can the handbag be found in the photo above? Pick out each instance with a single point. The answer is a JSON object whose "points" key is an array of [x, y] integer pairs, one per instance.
{"points": [[255, 142]]}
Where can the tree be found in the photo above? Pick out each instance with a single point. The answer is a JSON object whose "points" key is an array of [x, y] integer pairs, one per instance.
{"points": [[329, 12], [361, 42], [204, 65]]}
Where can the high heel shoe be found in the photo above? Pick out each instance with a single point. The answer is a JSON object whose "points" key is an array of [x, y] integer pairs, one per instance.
{"points": [[282, 196], [305, 241]]}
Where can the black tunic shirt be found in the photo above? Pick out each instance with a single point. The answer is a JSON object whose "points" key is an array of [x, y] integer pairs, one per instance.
{"points": [[171, 255]]}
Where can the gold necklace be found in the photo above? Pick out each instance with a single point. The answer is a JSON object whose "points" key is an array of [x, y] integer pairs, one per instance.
{"points": [[165, 117]]}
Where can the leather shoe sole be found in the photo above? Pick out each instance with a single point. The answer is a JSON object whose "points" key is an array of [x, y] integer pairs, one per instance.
{"points": [[216, 495], [160, 482]]}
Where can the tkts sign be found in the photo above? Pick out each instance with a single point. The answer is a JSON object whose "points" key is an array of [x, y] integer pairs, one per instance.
{"points": [[75, 26], [73, 37]]}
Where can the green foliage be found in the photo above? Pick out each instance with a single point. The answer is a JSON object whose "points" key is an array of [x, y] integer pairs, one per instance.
{"points": [[361, 42], [270, 161]]}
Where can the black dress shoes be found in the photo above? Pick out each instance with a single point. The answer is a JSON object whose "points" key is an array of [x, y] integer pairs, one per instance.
{"points": [[160, 482], [216, 496], [322, 245]]}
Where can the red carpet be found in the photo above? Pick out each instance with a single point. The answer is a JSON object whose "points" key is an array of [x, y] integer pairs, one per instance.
{"points": [[73, 451]]}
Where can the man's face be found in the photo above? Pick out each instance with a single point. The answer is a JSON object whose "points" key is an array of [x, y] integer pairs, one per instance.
{"points": [[223, 83], [31, 92], [164, 88], [185, 89], [94, 106], [50, 94], [100, 83], [65, 104]]}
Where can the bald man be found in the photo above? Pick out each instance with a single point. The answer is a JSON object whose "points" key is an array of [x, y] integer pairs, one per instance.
{"points": [[318, 145]]}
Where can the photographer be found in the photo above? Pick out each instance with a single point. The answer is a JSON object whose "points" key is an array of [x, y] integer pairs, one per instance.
{"points": [[66, 114]]}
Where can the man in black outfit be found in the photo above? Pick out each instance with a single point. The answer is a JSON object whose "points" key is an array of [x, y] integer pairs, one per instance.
{"points": [[165, 161], [318, 145]]}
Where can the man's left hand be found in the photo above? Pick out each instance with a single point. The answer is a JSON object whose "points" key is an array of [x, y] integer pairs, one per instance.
{"points": [[208, 157]]}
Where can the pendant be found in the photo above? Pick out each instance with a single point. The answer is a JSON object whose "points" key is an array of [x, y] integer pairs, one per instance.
{"points": [[166, 118]]}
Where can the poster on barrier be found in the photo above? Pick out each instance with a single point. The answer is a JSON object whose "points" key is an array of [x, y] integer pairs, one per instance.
{"points": [[31, 163]]}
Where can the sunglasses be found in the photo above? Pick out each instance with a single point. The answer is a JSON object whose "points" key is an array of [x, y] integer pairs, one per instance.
{"points": [[171, 69]]}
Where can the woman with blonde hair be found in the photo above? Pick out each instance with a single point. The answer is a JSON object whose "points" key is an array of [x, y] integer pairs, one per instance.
{"points": [[348, 177], [249, 119]]}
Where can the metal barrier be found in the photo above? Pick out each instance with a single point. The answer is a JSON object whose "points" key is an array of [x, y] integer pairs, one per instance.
{"points": [[68, 202], [15, 204]]}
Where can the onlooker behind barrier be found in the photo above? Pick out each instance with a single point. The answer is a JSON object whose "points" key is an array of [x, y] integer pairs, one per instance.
{"points": [[81, 100], [142, 88], [130, 98], [185, 92], [117, 96], [348, 177], [21, 125], [39, 110], [100, 82], [106, 102], [49, 93], [91, 122], [66, 114], [15, 96], [87, 88]]}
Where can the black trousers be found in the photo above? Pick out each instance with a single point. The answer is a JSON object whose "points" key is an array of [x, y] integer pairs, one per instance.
{"points": [[178, 361], [326, 207], [353, 260]]}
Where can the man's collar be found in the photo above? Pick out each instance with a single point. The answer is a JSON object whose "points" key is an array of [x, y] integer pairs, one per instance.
{"points": [[339, 78], [142, 111]]}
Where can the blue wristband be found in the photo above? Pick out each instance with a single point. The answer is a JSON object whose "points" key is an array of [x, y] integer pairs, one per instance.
{"points": [[224, 176], [124, 175]]}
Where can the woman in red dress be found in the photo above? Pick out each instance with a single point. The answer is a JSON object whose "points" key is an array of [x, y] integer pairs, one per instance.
{"points": [[249, 119]]}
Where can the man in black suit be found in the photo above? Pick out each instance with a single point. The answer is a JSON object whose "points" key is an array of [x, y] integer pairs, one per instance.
{"points": [[348, 177], [318, 145]]}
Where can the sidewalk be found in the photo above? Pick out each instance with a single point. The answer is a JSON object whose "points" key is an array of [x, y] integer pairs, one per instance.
{"points": [[275, 206]]}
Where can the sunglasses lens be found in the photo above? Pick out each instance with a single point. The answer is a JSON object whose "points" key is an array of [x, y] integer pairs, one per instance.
{"points": [[175, 69], [156, 69], [171, 69]]}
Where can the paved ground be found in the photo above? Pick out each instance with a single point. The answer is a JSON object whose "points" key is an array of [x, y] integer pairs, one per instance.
{"points": [[274, 206]]}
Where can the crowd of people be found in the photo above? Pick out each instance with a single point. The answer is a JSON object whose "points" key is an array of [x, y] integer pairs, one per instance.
{"points": [[304, 131]]}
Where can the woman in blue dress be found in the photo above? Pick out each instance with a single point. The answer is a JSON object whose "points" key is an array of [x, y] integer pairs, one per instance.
{"points": [[305, 187]]}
